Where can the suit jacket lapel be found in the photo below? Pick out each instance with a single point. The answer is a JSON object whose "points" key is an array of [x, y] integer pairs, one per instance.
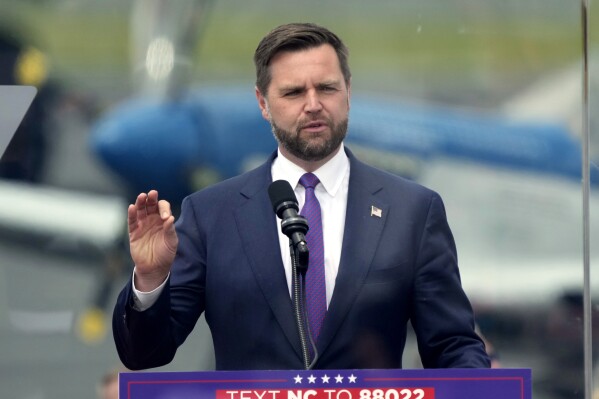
{"points": [[361, 235], [258, 231]]}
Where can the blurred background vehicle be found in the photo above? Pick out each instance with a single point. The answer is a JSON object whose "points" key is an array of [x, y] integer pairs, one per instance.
{"points": [[23, 64]]}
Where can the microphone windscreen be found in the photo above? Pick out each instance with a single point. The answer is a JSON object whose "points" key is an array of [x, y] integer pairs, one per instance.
{"points": [[280, 191]]}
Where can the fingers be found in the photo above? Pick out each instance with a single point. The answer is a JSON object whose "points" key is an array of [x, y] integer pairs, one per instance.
{"points": [[170, 233], [164, 207], [148, 204], [152, 202], [167, 216], [131, 217]]}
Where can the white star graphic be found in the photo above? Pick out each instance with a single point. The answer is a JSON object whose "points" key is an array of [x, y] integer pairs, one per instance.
{"points": [[352, 379], [325, 379], [298, 379], [339, 379], [311, 379]]}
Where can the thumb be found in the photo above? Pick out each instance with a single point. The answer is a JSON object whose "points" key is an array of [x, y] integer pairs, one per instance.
{"points": [[170, 233]]}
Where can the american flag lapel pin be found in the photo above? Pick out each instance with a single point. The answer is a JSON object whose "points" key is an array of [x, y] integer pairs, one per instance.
{"points": [[374, 211]]}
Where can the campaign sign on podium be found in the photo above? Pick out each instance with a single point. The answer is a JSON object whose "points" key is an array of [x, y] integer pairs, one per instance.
{"points": [[330, 384]]}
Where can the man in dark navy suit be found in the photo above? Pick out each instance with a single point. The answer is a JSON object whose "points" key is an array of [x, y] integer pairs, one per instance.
{"points": [[389, 255]]}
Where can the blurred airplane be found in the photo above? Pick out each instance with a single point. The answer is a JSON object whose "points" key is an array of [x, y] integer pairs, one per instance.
{"points": [[213, 133], [508, 167]]}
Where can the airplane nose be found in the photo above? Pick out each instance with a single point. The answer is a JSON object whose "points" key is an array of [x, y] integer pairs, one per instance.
{"points": [[149, 145]]}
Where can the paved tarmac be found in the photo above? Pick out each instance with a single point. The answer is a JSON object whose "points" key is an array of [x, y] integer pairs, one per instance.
{"points": [[43, 294]]}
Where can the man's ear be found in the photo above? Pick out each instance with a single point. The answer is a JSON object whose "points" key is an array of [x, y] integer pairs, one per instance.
{"points": [[263, 104], [348, 93]]}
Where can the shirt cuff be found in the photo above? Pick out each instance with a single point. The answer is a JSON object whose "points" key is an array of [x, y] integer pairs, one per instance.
{"points": [[144, 300]]}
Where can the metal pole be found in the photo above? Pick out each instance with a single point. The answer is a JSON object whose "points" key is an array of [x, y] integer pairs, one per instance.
{"points": [[588, 342]]}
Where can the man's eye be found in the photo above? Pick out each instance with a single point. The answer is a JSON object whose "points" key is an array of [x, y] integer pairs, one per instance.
{"points": [[291, 93]]}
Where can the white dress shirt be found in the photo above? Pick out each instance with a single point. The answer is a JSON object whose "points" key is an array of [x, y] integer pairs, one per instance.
{"points": [[332, 196]]}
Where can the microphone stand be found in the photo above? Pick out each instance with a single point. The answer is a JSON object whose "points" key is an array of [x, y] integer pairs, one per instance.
{"points": [[295, 227], [299, 267]]}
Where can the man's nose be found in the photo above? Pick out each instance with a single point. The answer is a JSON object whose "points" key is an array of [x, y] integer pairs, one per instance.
{"points": [[313, 103]]}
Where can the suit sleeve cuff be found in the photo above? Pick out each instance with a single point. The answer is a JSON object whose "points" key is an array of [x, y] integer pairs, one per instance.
{"points": [[144, 300]]}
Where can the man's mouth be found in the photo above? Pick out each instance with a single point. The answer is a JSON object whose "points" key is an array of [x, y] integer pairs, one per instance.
{"points": [[315, 126]]}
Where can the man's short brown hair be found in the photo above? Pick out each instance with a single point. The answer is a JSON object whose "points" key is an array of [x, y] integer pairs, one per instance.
{"points": [[295, 37]]}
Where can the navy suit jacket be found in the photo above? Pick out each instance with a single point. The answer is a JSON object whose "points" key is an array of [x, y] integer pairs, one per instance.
{"points": [[395, 267]]}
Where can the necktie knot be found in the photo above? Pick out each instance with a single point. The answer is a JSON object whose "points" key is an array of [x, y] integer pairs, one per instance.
{"points": [[309, 180]]}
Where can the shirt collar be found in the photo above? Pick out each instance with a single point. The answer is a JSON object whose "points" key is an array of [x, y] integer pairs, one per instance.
{"points": [[330, 174]]}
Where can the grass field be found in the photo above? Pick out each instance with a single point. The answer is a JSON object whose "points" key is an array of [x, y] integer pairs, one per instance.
{"points": [[411, 46]]}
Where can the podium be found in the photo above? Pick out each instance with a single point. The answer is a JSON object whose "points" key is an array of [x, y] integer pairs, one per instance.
{"points": [[329, 384]]}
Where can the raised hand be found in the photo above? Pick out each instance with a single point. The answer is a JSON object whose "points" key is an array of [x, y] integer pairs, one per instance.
{"points": [[152, 239]]}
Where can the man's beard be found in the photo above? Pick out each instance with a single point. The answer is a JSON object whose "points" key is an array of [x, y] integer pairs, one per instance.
{"points": [[304, 148]]}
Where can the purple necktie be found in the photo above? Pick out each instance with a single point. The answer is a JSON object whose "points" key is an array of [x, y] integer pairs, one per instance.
{"points": [[316, 294]]}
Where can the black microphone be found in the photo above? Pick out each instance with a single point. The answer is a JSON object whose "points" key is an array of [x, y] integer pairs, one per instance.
{"points": [[293, 225]]}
